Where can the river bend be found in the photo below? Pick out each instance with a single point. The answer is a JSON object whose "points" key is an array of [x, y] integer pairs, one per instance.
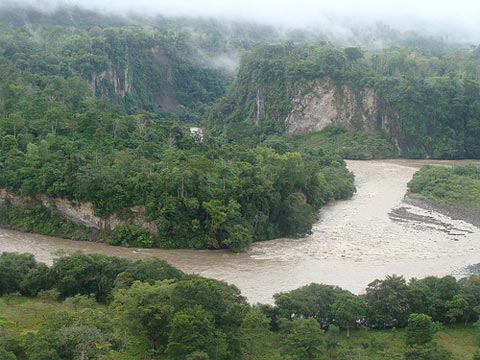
{"points": [[354, 242]]}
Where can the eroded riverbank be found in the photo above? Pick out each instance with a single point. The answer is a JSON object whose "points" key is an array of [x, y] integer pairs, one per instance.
{"points": [[354, 242]]}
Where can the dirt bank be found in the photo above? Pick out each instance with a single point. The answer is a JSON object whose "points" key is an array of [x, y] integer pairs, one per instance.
{"points": [[467, 213]]}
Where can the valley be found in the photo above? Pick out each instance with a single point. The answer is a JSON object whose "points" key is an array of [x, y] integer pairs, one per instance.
{"points": [[353, 242]]}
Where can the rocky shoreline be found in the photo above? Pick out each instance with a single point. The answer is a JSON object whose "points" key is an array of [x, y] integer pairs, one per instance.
{"points": [[465, 212]]}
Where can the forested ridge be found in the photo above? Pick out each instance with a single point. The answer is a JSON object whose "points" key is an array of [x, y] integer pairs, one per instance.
{"points": [[428, 94], [98, 108], [101, 114], [88, 306]]}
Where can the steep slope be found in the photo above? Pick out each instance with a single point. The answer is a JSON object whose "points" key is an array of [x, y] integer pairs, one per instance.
{"points": [[426, 106], [138, 68], [94, 145]]}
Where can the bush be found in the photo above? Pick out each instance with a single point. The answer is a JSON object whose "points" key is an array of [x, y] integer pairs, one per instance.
{"points": [[41, 220], [6, 355], [21, 273], [429, 351], [459, 184], [420, 329], [131, 235]]}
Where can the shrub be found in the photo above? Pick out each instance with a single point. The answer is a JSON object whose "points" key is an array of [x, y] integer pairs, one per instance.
{"points": [[131, 235]]}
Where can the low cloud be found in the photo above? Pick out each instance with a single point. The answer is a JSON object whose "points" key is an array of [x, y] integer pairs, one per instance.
{"points": [[459, 19]]}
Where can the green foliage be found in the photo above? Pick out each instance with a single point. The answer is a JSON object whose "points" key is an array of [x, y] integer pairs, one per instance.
{"points": [[92, 274], [348, 309], [220, 299], [35, 280], [476, 355], [70, 335], [22, 273], [387, 302], [82, 341], [353, 145], [332, 338], [192, 330], [268, 73], [253, 334], [174, 325], [97, 114], [86, 274], [229, 198], [152, 269], [457, 184], [155, 311], [80, 274], [420, 330], [440, 294], [314, 300], [80, 301], [198, 355], [430, 351], [145, 310], [427, 104], [131, 235], [304, 339], [7, 355], [39, 219]]}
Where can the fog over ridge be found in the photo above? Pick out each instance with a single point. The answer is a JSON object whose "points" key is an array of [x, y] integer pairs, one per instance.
{"points": [[459, 19]]}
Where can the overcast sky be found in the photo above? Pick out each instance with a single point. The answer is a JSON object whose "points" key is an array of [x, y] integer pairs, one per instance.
{"points": [[432, 16]]}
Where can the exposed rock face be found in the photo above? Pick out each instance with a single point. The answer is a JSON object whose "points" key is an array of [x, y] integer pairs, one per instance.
{"points": [[259, 107], [10, 199], [120, 78], [321, 103], [82, 213], [327, 105], [79, 213]]}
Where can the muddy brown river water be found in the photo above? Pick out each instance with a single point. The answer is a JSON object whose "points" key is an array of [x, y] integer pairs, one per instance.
{"points": [[354, 242]]}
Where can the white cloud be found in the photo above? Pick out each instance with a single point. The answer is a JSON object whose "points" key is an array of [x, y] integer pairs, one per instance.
{"points": [[432, 16]]}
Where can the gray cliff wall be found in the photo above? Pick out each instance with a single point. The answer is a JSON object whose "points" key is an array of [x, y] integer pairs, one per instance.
{"points": [[321, 103], [81, 213]]}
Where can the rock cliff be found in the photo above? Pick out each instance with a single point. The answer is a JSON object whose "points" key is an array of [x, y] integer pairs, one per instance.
{"points": [[119, 78], [129, 79], [82, 213], [321, 103]]}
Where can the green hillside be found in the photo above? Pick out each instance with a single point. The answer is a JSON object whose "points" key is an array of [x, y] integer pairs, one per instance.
{"points": [[97, 110], [426, 101]]}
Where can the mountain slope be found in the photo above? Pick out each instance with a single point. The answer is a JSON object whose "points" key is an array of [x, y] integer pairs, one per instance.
{"points": [[425, 105], [95, 143]]}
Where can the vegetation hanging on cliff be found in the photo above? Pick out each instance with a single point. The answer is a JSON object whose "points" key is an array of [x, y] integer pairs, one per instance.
{"points": [[430, 97]]}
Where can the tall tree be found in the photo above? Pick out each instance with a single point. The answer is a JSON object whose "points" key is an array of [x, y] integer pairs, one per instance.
{"points": [[253, 334], [192, 330], [348, 309], [303, 339]]}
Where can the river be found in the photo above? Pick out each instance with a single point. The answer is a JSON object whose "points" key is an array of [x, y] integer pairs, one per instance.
{"points": [[354, 242]]}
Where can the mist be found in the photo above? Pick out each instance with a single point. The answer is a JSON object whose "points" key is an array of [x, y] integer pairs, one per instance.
{"points": [[458, 20]]}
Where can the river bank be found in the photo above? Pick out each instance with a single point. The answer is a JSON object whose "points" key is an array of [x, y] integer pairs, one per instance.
{"points": [[468, 213], [354, 242]]}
